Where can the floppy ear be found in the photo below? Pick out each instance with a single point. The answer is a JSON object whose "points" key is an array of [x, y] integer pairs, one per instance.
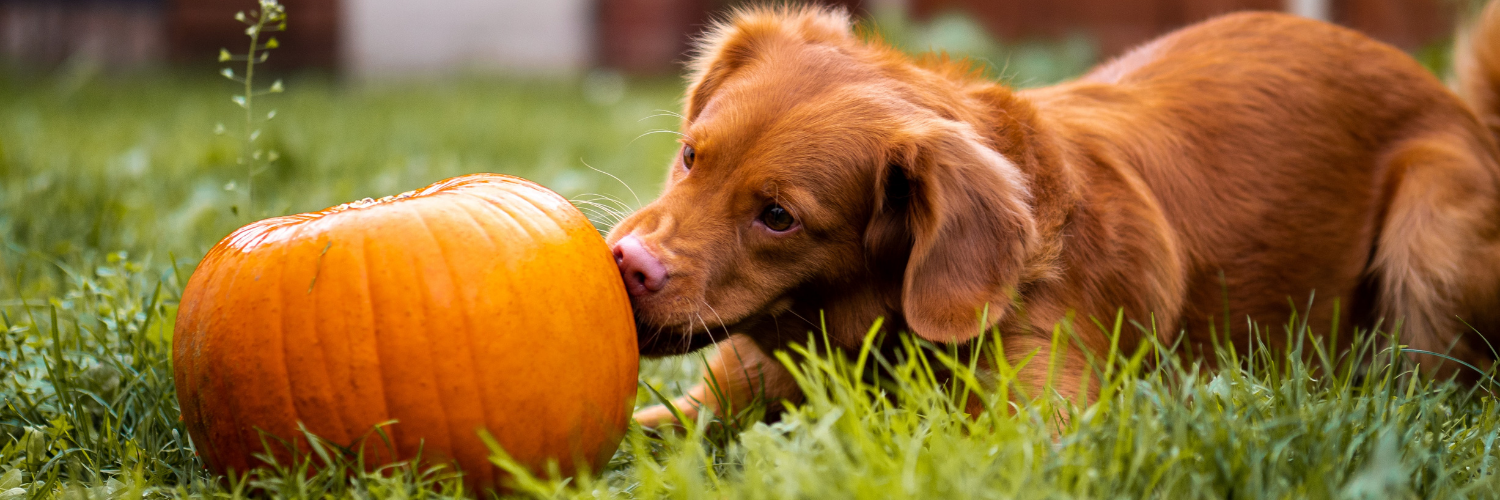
{"points": [[969, 219]]}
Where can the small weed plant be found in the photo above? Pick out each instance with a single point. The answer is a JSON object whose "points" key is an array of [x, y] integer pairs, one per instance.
{"points": [[259, 26]]}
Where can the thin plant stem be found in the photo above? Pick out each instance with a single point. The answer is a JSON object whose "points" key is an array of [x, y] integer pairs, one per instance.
{"points": [[270, 17], [249, 136]]}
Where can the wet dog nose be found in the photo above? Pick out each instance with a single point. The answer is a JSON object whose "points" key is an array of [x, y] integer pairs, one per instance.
{"points": [[643, 273]]}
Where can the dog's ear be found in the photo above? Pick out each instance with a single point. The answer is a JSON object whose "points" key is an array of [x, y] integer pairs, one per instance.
{"points": [[719, 54], [731, 44], [966, 211]]}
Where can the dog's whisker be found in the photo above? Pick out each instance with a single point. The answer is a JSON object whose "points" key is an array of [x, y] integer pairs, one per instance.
{"points": [[722, 325], [809, 322], [602, 203], [658, 131], [606, 200], [706, 330], [660, 113], [617, 179], [598, 211]]}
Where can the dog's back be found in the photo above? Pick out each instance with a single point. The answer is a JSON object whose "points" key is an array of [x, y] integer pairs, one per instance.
{"points": [[1348, 171], [1252, 159]]}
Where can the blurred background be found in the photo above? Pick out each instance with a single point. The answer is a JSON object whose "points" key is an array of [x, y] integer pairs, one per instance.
{"points": [[118, 137], [383, 38], [120, 143]]}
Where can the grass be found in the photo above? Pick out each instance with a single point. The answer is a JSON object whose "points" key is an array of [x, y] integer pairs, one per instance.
{"points": [[112, 186], [89, 411]]}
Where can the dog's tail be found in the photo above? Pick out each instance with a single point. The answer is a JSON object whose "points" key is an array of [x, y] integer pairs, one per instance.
{"points": [[1476, 61]]}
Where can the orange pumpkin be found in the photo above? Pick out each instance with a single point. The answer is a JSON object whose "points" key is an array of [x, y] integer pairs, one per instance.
{"points": [[479, 302]]}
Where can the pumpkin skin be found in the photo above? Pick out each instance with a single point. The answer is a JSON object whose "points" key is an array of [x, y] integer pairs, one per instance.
{"points": [[480, 302]]}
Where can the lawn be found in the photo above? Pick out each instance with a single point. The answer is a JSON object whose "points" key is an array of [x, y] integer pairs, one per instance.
{"points": [[113, 186]]}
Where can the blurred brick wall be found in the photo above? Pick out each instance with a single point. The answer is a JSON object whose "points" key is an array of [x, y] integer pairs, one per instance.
{"points": [[647, 36], [197, 29], [653, 36], [1118, 25], [636, 36], [113, 34], [1408, 24]]}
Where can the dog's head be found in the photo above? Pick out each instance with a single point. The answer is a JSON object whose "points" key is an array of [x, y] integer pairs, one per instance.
{"points": [[818, 171]]}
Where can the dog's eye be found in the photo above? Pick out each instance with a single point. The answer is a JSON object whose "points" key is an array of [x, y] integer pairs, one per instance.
{"points": [[687, 156], [777, 218]]}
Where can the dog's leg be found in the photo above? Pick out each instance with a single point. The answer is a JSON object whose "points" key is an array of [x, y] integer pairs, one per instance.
{"points": [[1436, 257], [1047, 371], [740, 372]]}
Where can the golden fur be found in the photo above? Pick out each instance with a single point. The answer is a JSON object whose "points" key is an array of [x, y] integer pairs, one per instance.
{"points": [[1257, 156]]}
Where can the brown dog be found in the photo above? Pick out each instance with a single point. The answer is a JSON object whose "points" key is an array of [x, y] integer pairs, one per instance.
{"points": [[1257, 156]]}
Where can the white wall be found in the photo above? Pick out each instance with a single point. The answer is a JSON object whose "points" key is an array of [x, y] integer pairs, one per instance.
{"points": [[411, 37], [1315, 9]]}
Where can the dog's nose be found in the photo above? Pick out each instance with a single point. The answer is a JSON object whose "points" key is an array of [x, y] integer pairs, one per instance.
{"points": [[643, 273]]}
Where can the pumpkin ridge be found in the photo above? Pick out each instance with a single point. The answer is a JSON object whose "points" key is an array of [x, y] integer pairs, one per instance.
{"points": [[621, 301], [564, 223], [511, 211], [316, 337], [479, 383], [525, 223], [532, 188], [380, 364], [497, 214], [440, 405], [552, 216], [454, 444], [464, 207], [286, 367], [333, 386], [237, 429]]}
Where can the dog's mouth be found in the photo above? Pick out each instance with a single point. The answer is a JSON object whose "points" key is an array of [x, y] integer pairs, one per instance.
{"points": [[654, 343], [685, 329], [667, 340]]}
